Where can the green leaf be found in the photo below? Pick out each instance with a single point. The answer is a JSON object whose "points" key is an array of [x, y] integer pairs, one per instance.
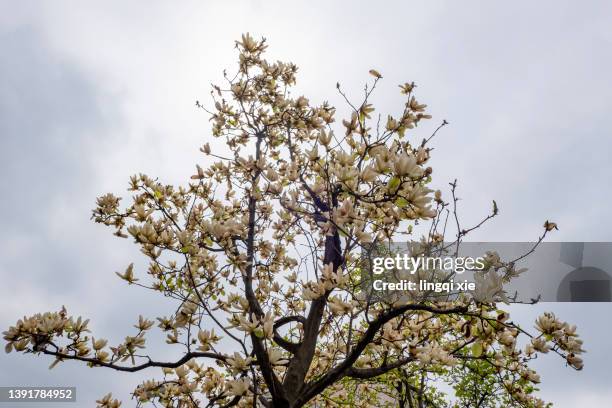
{"points": [[393, 184], [401, 202], [477, 349]]}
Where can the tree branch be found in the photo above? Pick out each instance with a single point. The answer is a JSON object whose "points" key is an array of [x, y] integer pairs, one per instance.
{"points": [[340, 370], [148, 364]]}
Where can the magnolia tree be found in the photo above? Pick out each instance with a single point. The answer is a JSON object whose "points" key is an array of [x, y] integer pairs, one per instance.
{"points": [[261, 251]]}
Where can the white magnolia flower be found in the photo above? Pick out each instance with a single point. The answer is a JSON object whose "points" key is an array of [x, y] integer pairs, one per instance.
{"points": [[238, 387], [238, 363], [489, 287], [276, 357]]}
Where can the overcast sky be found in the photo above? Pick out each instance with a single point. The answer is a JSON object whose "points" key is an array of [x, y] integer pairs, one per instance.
{"points": [[92, 92]]}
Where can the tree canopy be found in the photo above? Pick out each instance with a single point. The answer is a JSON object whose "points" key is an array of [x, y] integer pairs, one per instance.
{"points": [[261, 250]]}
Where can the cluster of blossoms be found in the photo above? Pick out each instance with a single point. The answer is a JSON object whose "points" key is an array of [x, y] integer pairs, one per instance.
{"points": [[261, 252], [562, 334], [41, 333]]}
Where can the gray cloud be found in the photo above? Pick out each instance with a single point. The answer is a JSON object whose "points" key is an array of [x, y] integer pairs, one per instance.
{"points": [[50, 122], [47, 111]]}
